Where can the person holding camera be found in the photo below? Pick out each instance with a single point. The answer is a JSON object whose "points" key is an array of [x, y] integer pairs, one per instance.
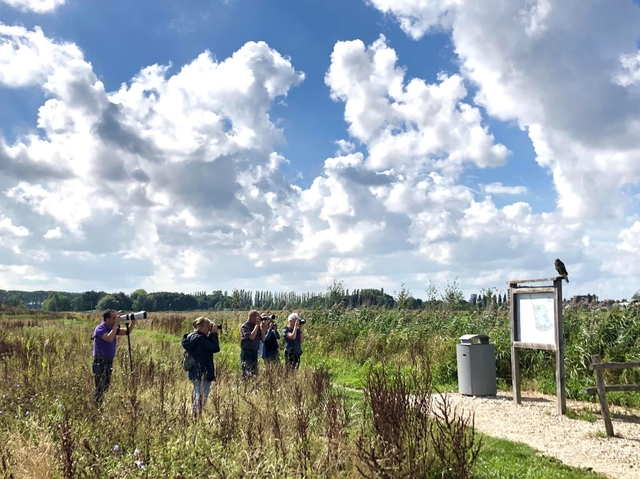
{"points": [[104, 350], [252, 332], [202, 344], [271, 350], [293, 338]]}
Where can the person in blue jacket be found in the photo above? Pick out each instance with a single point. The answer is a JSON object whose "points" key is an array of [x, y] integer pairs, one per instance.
{"points": [[271, 351], [202, 344]]}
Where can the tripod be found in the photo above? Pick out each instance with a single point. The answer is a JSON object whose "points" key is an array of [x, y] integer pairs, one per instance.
{"points": [[129, 344]]}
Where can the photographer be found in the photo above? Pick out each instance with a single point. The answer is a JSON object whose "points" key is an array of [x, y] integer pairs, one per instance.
{"points": [[271, 350], [202, 344], [293, 338], [252, 332], [104, 350]]}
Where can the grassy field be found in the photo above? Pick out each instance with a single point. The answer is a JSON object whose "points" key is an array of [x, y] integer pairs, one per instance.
{"points": [[280, 424]]}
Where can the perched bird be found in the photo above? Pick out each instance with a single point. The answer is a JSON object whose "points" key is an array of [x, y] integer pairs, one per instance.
{"points": [[561, 269]]}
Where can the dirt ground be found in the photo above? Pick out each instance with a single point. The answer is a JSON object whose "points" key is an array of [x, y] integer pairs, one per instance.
{"points": [[575, 442]]}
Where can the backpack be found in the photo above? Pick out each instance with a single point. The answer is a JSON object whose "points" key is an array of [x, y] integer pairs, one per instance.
{"points": [[188, 361]]}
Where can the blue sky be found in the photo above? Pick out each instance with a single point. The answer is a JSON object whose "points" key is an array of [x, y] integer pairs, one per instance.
{"points": [[571, 190]]}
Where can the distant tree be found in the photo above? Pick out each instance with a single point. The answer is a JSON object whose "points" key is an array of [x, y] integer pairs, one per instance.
{"points": [[404, 299], [432, 296], [57, 302], [108, 302], [14, 300], [140, 300], [335, 292], [452, 295]]}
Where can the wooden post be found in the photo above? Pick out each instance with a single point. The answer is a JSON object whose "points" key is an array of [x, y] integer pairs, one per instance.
{"points": [[515, 360], [561, 392], [604, 407]]}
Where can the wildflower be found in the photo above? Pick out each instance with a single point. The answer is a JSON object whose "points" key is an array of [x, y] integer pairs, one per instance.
{"points": [[30, 399], [26, 413], [116, 448], [136, 452]]}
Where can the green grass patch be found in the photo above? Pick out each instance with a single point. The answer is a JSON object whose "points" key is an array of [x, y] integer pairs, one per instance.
{"points": [[502, 459]]}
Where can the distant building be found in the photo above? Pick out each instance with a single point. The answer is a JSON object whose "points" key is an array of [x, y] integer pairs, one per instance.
{"points": [[584, 298]]}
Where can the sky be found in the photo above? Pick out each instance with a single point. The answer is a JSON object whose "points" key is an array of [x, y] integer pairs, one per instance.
{"points": [[220, 144]]}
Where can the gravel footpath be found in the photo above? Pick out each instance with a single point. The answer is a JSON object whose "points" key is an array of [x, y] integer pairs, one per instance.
{"points": [[575, 442]]}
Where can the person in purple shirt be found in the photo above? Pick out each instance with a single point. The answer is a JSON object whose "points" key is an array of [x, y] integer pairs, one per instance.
{"points": [[104, 350]]}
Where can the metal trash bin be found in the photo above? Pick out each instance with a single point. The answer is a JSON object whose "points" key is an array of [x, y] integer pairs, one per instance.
{"points": [[476, 366]]}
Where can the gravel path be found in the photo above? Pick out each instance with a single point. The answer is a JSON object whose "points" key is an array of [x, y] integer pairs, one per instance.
{"points": [[575, 442]]}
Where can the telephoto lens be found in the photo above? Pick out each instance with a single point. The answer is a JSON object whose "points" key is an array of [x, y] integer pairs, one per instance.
{"points": [[303, 321], [132, 316]]}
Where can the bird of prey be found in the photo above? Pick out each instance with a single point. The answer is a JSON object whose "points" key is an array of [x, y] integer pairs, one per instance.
{"points": [[561, 269]]}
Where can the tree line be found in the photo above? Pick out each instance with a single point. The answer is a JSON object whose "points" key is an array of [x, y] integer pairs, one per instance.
{"points": [[242, 300]]}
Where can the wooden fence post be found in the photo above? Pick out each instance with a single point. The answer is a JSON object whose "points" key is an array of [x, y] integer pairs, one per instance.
{"points": [[604, 407]]}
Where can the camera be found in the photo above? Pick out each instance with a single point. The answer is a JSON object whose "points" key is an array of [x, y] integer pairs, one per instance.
{"points": [[219, 326], [302, 321], [268, 318], [132, 316]]}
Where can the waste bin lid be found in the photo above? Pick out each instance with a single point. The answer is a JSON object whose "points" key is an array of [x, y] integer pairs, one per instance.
{"points": [[468, 338]]}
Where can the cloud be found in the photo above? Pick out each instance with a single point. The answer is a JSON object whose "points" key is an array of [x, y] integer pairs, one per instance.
{"points": [[580, 121], [412, 123], [174, 181], [172, 170], [37, 6], [571, 87], [53, 234], [498, 188]]}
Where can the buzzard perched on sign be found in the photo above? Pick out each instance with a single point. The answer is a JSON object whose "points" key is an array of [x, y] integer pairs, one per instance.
{"points": [[561, 269]]}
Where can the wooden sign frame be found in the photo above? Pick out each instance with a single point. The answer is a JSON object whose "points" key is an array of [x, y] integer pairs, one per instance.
{"points": [[516, 289]]}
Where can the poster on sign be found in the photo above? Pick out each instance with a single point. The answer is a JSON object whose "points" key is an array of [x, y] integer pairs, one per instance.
{"points": [[535, 318]]}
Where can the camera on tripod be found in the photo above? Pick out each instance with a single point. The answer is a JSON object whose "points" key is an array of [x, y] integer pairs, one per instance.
{"points": [[132, 316]]}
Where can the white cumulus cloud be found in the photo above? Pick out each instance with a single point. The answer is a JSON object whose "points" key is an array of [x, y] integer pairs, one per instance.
{"points": [[37, 6], [498, 188]]}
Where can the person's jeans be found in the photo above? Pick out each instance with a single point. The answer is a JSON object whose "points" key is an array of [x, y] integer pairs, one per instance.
{"points": [[102, 376], [292, 359], [249, 361], [201, 390]]}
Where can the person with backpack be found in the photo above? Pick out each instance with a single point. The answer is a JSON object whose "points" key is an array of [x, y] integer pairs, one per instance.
{"points": [[201, 345]]}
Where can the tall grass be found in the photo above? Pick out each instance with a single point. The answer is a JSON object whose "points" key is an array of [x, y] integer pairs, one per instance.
{"points": [[370, 335], [279, 424]]}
